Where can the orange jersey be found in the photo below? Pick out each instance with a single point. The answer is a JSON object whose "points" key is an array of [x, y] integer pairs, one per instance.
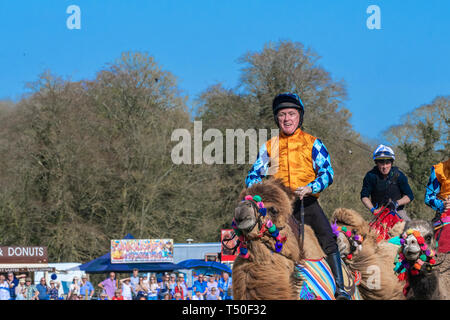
{"points": [[298, 160]]}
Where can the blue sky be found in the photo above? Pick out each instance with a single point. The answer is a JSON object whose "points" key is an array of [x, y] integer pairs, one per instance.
{"points": [[388, 72]]}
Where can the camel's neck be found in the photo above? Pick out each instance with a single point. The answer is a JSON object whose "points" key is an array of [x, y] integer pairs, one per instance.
{"points": [[265, 247], [425, 285]]}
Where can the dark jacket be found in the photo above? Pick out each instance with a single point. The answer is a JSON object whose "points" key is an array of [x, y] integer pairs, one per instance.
{"points": [[380, 190]]}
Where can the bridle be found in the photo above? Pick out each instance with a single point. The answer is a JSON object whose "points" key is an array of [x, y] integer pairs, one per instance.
{"points": [[265, 225], [355, 240]]}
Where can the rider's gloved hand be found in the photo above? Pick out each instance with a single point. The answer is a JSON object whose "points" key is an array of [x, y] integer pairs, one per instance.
{"points": [[392, 205]]}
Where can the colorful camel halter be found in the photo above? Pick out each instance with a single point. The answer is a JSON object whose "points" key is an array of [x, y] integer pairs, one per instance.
{"points": [[267, 225], [426, 256], [353, 238]]}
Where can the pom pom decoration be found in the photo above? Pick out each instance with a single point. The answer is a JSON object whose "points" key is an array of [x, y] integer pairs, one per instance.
{"points": [[402, 276], [257, 198], [248, 197], [272, 228], [278, 246], [352, 237]]}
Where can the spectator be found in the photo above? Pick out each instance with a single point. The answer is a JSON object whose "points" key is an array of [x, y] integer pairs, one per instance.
{"points": [[54, 290], [43, 289], [167, 296], [153, 289], [225, 286], [31, 293], [198, 296], [4, 288], [200, 286], [179, 289], [103, 296], [183, 283], [172, 283], [74, 296], [109, 285], [178, 296], [74, 289], [127, 289], [117, 295], [211, 283], [134, 279], [86, 288], [141, 288], [20, 290], [214, 294], [164, 286], [13, 282]]}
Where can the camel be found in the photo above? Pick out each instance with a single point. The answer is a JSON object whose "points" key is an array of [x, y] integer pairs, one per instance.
{"points": [[426, 280], [263, 270], [374, 260]]}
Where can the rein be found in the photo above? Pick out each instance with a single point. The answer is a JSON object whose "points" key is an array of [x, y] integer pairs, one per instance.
{"points": [[302, 225]]}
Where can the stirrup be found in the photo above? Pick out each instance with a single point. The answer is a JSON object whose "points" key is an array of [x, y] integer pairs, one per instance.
{"points": [[342, 295]]}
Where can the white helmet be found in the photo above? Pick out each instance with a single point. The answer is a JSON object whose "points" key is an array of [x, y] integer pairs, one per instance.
{"points": [[383, 152]]}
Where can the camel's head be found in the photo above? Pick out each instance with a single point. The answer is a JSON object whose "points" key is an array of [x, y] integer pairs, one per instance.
{"points": [[277, 201], [350, 229], [412, 239]]}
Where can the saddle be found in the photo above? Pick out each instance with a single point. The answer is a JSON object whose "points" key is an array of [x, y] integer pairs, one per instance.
{"points": [[318, 281], [442, 232], [317, 277]]}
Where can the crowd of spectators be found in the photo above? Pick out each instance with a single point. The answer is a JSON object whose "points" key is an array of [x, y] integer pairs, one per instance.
{"points": [[136, 287]]}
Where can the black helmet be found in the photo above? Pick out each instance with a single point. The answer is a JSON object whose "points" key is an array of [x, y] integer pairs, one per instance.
{"points": [[287, 100]]}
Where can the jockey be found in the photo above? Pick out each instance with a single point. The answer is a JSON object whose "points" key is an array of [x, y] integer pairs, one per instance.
{"points": [[437, 195], [302, 162], [386, 185]]}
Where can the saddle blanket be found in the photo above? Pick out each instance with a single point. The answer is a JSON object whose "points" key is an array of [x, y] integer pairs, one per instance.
{"points": [[318, 281], [442, 232]]}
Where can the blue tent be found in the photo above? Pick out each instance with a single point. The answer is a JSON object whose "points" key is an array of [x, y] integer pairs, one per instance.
{"points": [[201, 264], [103, 264]]}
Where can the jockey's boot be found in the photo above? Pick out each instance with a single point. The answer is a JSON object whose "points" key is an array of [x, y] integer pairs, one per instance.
{"points": [[334, 261]]}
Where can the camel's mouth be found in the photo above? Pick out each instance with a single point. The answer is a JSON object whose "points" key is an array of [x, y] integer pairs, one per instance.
{"points": [[246, 225], [244, 217], [411, 253]]}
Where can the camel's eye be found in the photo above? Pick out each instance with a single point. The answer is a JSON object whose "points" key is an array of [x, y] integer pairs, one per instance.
{"points": [[428, 238], [273, 211]]}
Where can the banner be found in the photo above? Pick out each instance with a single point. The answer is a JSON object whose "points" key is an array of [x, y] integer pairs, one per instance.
{"points": [[141, 250], [227, 254], [23, 255]]}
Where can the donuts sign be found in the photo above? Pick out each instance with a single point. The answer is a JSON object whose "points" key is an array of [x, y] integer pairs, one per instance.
{"points": [[23, 255]]}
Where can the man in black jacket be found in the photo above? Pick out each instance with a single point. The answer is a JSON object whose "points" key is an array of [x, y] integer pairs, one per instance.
{"points": [[386, 185]]}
